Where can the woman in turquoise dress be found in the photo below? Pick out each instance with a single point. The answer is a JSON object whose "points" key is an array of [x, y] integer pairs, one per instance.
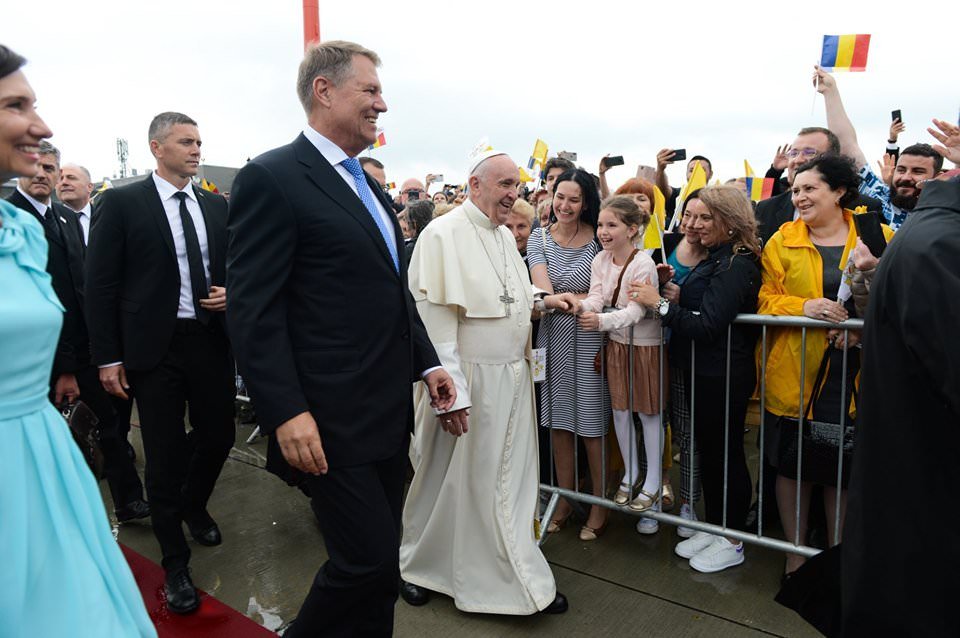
{"points": [[63, 573]]}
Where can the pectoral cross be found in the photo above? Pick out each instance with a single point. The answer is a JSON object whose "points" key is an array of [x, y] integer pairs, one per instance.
{"points": [[507, 300]]}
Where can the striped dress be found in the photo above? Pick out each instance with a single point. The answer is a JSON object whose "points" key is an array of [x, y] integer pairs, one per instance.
{"points": [[574, 397]]}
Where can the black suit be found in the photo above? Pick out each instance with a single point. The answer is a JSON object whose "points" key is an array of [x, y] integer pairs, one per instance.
{"points": [[322, 322], [133, 295], [65, 255], [776, 211]]}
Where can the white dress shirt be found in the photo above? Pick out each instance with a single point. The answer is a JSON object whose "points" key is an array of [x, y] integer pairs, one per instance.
{"points": [[84, 216], [40, 207], [171, 206], [334, 154]]}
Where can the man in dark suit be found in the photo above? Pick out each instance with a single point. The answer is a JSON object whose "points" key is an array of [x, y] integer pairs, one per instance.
{"points": [[73, 375], [811, 142], [327, 337], [155, 302]]}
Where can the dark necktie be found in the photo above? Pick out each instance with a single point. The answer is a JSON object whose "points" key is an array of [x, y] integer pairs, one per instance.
{"points": [[198, 280], [49, 221]]}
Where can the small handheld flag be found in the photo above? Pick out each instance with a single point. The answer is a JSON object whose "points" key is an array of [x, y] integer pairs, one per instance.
{"points": [[698, 180], [390, 186], [747, 169], [524, 175], [381, 141], [845, 52], [653, 233], [209, 186], [759, 188]]}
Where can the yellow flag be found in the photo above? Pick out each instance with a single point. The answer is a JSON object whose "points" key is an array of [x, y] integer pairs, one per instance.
{"points": [[524, 175], [747, 169], [653, 234], [540, 152], [698, 180]]}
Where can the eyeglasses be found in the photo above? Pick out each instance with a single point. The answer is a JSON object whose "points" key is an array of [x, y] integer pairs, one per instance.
{"points": [[808, 153]]}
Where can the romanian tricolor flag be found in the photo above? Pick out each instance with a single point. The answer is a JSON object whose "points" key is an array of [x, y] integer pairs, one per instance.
{"points": [[381, 141], [390, 186], [759, 188], [845, 52], [209, 186]]}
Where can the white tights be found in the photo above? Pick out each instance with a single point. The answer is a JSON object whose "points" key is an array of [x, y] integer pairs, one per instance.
{"points": [[652, 445]]}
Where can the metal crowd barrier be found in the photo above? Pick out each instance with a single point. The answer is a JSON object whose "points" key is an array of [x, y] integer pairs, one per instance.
{"points": [[764, 321]]}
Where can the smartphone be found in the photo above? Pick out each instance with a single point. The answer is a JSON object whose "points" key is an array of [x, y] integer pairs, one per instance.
{"points": [[436, 179], [615, 160], [895, 115], [679, 154], [572, 157], [868, 229]]}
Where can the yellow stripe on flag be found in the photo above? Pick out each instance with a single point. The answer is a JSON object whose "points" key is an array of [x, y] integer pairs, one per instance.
{"points": [[845, 50], [748, 170], [524, 175]]}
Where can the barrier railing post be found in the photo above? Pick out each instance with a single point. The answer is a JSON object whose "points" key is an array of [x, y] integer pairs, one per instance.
{"points": [[844, 416], [726, 429], [802, 410], [763, 435]]}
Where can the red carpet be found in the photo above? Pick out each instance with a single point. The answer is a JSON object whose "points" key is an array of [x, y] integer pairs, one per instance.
{"points": [[212, 620]]}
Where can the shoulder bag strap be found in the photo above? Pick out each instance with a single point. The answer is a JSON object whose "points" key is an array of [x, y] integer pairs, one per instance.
{"points": [[616, 291]]}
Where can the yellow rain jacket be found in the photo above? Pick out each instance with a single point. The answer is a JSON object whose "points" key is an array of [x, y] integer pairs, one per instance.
{"points": [[792, 272]]}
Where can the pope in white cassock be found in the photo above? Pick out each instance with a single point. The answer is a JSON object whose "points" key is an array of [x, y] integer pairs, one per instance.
{"points": [[468, 522]]}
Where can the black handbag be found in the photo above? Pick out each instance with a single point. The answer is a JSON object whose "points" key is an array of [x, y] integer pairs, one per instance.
{"points": [[822, 440], [83, 426]]}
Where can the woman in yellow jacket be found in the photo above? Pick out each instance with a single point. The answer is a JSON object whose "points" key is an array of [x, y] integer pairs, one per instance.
{"points": [[802, 268]]}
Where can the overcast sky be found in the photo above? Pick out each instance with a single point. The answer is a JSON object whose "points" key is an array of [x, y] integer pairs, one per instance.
{"points": [[726, 80]]}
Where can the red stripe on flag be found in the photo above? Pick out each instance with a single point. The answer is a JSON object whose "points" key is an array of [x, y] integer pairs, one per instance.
{"points": [[860, 50], [767, 188]]}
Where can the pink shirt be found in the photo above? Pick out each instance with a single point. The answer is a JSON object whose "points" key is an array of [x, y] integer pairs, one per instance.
{"points": [[603, 280]]}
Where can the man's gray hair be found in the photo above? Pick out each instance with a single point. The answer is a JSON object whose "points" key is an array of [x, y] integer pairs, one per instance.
{"points": [[161, 124], [46, 148], [334, 61], [82, 169]]}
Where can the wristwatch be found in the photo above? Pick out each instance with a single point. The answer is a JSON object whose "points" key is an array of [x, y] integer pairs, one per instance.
{"points": [[663, 307]]}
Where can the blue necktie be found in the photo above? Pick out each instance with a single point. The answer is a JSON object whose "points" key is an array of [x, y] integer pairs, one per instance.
{"points": [[353, 167]]}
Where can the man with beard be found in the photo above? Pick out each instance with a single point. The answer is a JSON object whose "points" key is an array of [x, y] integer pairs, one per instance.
{"points": [[916, 163]]}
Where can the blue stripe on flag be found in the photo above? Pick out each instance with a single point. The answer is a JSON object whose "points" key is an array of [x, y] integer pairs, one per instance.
{"points": [[831, 44]]}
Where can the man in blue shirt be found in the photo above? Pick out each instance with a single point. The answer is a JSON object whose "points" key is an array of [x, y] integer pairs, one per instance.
{"points": [[916, 163]]}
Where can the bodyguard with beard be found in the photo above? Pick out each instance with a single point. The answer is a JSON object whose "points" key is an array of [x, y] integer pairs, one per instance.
{"points": [[916, 163]]}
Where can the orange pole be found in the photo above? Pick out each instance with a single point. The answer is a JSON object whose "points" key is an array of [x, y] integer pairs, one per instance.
{"points": [[311, 22]]}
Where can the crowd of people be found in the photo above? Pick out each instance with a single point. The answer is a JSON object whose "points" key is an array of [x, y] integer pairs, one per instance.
{"points": [[153, 291]]}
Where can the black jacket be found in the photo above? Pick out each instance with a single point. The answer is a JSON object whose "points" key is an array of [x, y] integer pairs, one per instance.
{"points": [[718, 289], [908, 418], [776, 211], [65, 253], [133, 280], [319, 317]]}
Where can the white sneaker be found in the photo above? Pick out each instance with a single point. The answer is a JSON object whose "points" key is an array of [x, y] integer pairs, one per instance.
{"points": [[687, 512], [694, 545], [720, 555], [647, 525]]}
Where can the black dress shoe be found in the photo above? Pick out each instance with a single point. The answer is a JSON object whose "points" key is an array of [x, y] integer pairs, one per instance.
{"points": [[132, 511], [209, 536], [204, 530], [558, 606], [182, 597], [413, 594]]}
